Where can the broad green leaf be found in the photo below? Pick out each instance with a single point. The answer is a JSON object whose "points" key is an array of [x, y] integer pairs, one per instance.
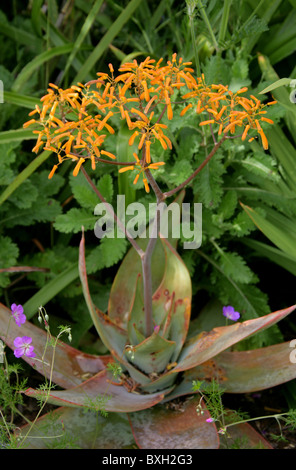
{"points": [[15, 135], [122, 291], [113, 336]]}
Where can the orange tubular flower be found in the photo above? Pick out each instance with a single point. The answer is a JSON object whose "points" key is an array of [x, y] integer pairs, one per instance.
{"points": [[77, 119], [141, 170]]}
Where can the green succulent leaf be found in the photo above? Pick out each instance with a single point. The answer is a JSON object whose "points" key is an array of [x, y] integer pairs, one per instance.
{"points": [[152, 355]]}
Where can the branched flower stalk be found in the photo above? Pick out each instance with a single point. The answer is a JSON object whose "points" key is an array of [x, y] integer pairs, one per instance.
{"points": [[74, 124]]}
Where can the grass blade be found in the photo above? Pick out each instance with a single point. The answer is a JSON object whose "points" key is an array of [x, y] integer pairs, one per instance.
{"points": [[38, 61], [26, 173], [106, 40], [83, 33], [20, 100], [50, 290]]}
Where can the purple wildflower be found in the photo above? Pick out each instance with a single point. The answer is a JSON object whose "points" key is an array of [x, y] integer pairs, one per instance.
{"points": [[229, 313], [18, 314], [210, 420], [23, 347]]}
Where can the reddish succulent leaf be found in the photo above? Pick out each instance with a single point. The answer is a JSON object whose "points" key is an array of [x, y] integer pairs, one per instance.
{"points": [[95, 389], [174, 297], [71, 366], [249, 371], [207, 345], [162, 428], [84, 430], [242, 371]]}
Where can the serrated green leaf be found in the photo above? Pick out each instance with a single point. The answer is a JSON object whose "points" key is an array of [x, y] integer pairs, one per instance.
{"points": [[105, 186], [235, 267], [207, 185], [8, 257], [181, 170], [74, 219]]}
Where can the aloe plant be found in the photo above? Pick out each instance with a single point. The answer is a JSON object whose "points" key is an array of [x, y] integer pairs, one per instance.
{"points": [[154, 370], [147, 329]]}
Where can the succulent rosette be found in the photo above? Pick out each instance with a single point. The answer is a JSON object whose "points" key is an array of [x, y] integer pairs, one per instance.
{"points": [[154, 370]]}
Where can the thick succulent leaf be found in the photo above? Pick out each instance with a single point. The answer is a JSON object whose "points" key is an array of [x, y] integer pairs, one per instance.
{"points": [[157, 384], [136, 320], [207, 345], [113, 336], [242, 371], [99, 392], [153, 354], [71, 366], [249, 371], [165, 428], [174, 297], [77, 428], [122, 290]]}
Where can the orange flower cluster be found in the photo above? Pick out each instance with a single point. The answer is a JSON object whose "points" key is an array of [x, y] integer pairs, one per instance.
{"points": [[75, 122], [229, 110]]}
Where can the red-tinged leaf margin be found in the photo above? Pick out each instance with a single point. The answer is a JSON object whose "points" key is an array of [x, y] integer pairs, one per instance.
{"points": [[91, 393]]}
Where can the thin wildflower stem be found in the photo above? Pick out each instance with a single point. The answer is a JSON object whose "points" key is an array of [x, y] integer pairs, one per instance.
{"points": [[201, 166], [117, 220]]}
